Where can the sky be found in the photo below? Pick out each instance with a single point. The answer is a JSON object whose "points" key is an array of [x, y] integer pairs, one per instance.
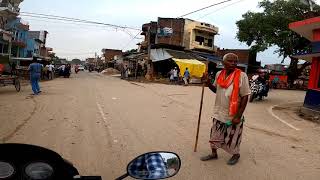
{"points": [[70, 40]]}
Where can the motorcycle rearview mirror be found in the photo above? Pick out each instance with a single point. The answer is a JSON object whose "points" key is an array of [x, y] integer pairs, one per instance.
{"points": [[153, 165]]}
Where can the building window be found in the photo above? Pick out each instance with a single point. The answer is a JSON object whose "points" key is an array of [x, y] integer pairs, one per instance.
{"points": [[210, 44], [200, 39]]}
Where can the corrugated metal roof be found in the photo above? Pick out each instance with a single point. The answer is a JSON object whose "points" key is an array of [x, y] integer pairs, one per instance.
{"points": [[159, 55]]}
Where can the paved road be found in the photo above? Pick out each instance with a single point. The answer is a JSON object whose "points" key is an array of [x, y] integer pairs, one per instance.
{"points": [[100, 123]]}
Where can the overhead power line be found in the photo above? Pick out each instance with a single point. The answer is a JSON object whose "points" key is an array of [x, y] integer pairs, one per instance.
{"points": [[130, 41], [83, 26], [220, 9], [63, 18], [201, 9]]}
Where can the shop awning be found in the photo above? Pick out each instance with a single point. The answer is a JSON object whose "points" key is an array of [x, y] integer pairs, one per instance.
{"points": [[196, 68], [210, 57], [159, 55]]}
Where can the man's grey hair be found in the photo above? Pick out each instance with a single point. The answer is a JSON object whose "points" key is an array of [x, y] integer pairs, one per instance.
{"points": [[230, 55]]}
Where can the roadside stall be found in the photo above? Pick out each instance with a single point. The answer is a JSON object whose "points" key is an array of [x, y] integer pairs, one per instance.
{"points": [[196, 68]]}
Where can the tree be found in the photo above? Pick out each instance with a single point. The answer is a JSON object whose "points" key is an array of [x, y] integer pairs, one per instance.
{"points": [[53, 56], [131, 51], [76, 61], [261, 30]]}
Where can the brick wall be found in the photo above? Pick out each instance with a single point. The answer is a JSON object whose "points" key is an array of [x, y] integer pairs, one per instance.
{"points": [[176, 38], [242, 54], [110, 53]]}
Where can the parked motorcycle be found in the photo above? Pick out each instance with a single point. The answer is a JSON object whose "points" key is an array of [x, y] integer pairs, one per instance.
{"points": [[91, 68], [29, 162], [257, 90]]}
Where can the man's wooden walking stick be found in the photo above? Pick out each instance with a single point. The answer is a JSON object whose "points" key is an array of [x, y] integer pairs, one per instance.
{"points": [[199, 119]]}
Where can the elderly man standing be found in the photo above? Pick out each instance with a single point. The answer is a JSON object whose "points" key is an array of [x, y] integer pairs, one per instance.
{"points": [[232, 89]]}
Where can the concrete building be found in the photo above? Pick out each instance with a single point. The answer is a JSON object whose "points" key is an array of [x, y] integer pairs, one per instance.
{"points": [[36, 44], [20, 29], [199, 36], [180, 32], [170, 31], [9, 10], [310, 29]]}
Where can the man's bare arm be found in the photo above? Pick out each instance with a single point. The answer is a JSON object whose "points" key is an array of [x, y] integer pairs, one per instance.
{"points": [[242, 107], [212, 87]]}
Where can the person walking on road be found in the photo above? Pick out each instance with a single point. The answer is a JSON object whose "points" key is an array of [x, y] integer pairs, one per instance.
{"points": [[35, 69], [175, 75], [232, 89], [50, 68], [186, 77], [171, 75]]}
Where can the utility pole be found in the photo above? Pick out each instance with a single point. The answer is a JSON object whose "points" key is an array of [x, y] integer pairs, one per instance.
{"points": [[150, 70], [95, 59], [9, 49]]}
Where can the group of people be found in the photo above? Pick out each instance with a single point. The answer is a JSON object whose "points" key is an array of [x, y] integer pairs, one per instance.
{"points": [[174, 76], [65, 70], [262, 78], [48, 71], [38, 71]]}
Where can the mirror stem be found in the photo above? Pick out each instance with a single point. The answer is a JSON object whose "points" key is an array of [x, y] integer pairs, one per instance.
{"points": [[122, 177]]}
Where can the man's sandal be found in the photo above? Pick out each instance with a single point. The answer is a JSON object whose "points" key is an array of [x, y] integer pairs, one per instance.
{"points": [[234, 159], [209, 157]]}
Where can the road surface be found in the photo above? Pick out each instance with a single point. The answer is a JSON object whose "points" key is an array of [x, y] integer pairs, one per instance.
{"points": [[101, 122]]}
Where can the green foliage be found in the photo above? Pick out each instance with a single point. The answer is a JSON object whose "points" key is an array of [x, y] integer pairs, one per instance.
{"points": [[261, 30], [76, 61], [270, 27]]}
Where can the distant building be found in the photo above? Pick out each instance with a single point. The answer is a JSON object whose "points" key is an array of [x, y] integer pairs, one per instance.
{"points": [[180, 32], [20, 29], [199, 36], [194, 39], [247, 58], [36, 44], [276, 68], [10, 7], [109, 54], [9, 10]]}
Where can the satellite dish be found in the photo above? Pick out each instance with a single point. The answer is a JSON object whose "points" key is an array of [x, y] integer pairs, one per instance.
{"points": [[310, 3]]}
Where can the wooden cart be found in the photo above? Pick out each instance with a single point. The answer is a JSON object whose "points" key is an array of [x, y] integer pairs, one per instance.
{"points": [[6, 80]]}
